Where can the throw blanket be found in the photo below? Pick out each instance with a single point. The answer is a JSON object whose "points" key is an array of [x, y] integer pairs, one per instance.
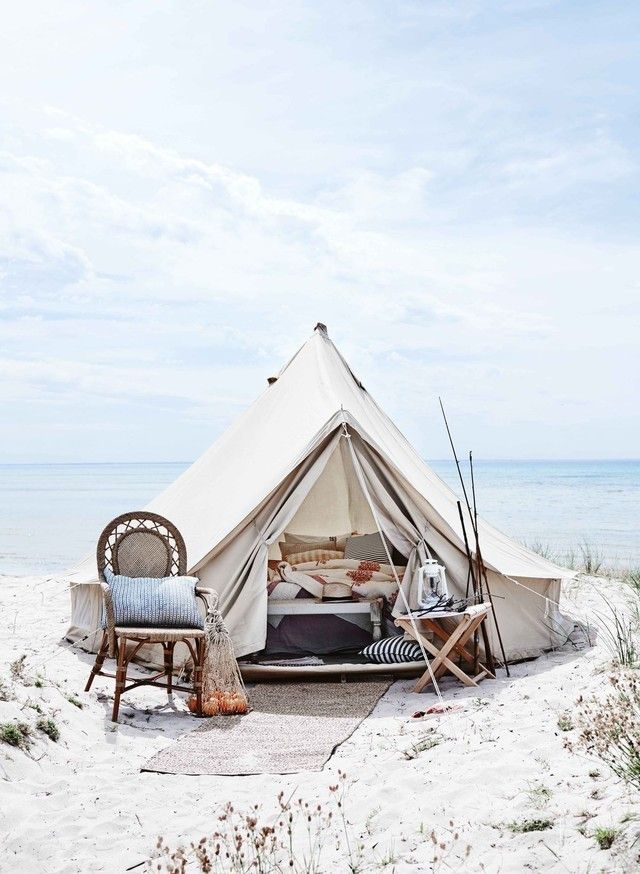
{"points": [[335, 578]]}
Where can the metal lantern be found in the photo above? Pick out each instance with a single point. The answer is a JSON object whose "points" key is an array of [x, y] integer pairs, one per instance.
{"points": [[432, 583]]}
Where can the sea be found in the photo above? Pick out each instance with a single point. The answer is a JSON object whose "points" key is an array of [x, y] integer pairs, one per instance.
{"points": [[51, 514]]}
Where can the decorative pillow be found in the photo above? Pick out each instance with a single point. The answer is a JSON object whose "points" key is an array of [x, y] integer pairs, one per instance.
{"points": [[312, 540], [152, 602], [366, 546], [314, 555], [286, 549], [393, 651]]}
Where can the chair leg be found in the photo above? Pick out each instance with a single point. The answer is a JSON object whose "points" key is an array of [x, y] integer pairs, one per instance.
{"points": [[97, 666], [197, 673], [121, 676], [168, 665]]}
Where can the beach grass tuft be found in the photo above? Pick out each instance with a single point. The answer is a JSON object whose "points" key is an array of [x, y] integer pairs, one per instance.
{"points": [[16, 734], [539, 795], [632, 578], [6, 693], [605, 836], [565, 723], [425, 742], [544, 550], [592, 560], [48, 727], [609, 726], [17, 667], [619, 628], [531, 825]]}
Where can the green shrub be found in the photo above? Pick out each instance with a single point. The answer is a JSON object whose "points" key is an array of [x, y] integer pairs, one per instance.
{"points": [[72, 699], [48, 726], [16, 734]]}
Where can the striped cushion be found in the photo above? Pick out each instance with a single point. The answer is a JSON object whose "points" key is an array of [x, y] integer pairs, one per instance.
{"points": [[314, 555], [312, 540], [154, 602], [287, 549], [392, 651], [366, 546]]}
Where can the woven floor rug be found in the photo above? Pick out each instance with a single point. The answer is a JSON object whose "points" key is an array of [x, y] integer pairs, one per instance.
{"points": [[292, 727]]}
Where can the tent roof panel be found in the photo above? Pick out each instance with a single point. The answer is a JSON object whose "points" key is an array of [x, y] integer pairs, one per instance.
{"points": [[233, 477]]}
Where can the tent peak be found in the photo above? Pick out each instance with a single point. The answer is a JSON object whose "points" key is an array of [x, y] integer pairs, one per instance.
{"points": [[322, 329]]}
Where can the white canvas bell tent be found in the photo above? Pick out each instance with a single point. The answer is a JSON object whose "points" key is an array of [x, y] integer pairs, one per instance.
{"points": [[310, 456]]}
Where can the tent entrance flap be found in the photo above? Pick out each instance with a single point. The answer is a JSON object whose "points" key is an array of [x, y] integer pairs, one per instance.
{"points": [[335, 504]]}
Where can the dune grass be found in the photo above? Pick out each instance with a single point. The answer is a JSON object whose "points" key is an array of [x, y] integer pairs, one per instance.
{"points": [[585, 558]]}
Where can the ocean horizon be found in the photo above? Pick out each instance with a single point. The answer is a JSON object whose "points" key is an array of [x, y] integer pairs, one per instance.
{"points": [[51, 514]]}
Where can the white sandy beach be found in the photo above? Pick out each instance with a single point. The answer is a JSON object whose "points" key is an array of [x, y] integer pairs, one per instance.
{"points": [[81, 804]]}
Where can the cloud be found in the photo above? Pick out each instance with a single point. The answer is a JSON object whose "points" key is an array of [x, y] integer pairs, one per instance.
{"points": [[174, 226]]}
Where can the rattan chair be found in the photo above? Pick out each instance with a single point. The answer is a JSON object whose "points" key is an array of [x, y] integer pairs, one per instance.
{"points": [[144, 544]]}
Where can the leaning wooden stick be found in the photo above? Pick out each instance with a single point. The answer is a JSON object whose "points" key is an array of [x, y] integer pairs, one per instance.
{"points": [[481, 565], [479, 599], [475, 531]]}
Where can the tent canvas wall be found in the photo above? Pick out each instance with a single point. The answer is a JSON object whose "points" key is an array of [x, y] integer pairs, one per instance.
{"points": [[285, 465]]}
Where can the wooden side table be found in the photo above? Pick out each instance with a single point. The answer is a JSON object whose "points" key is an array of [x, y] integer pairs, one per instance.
{"points": [[454, 642]]}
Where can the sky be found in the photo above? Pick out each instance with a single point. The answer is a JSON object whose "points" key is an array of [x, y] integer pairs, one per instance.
{"points": [[186, 188]]}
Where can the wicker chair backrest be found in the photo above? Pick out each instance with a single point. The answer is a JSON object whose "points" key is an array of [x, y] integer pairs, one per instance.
{"points": [[142, 544]]}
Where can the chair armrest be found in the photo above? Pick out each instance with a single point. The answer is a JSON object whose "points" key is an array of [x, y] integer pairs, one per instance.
{"points": [[209, 598]]}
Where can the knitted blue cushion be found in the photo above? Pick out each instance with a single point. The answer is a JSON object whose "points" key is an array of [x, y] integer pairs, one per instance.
{"points": [[148, 602], [393, 650]]}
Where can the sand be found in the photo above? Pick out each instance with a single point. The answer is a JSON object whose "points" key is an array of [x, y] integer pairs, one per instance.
{"points": [[81, 804]]}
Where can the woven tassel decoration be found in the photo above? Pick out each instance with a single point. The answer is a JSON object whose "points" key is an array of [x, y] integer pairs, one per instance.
{"points": [[223, 690]]}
